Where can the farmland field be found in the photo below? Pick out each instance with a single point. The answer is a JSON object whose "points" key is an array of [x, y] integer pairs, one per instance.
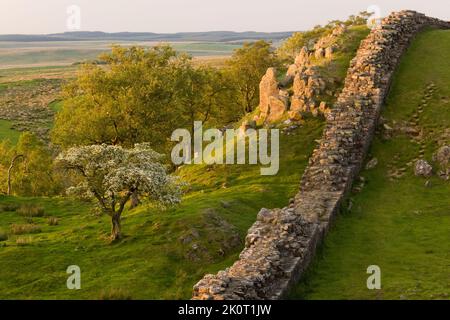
{"points": [[41, 54]]}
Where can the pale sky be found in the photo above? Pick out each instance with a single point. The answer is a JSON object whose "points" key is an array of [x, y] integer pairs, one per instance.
{"points": [[50, 16]]}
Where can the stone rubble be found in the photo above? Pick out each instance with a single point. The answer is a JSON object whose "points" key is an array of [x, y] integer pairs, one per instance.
{"points": [[442, 157], [423, 169], [282, 242]]}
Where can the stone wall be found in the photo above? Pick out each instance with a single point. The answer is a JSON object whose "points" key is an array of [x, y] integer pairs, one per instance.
{"points": [[281, 243]]}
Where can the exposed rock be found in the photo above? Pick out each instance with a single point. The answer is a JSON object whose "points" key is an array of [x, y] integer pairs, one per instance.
{"points": [[339, 30], [298, 104], [299, 85], [267, 88], [273, 101], [323, 107], [423, 169], [248, 124], [292, 70], [294, 115], [277, 107], [319, 53], [325, 46], [442, 157], [302, 58], [372, 164], [329, 52], [225, 204]]}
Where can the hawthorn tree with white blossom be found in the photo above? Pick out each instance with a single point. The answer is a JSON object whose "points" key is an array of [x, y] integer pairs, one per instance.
{"points": [[112, 174]]}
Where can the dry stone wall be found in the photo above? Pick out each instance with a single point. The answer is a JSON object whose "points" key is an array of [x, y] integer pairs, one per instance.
{"points": [[281, 243]]}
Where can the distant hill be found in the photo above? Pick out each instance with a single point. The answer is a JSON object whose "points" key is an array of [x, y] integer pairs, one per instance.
{"points": [[210, 36]]}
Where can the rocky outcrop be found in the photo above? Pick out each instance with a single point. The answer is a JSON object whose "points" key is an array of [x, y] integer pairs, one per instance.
{"points": [[306, 80], [326, 46], [281, 243], [442, 158], [272, 100]]}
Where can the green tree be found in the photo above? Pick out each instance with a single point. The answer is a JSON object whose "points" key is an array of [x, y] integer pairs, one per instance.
{"points": [[139, 95], [245, 70], [29, 168], [201, 95], [128, 100], [359, 19]]}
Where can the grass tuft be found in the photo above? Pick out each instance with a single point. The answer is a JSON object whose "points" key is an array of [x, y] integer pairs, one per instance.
{"points": [[31, 210], [25, 228], [115, 294]]}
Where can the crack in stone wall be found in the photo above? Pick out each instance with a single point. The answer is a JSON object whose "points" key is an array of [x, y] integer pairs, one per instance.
{"points": [[281, 243]]}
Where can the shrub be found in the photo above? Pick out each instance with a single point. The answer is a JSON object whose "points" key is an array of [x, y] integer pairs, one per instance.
{"points": [[52, 221], [23, 241], [3, 235], [31, 210], [114, 294], [8, 207], [25, 228]]}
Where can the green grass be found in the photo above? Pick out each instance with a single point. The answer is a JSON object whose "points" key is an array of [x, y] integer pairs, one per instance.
{"points": [[6, 133], [56, 105], [396, 223], [153, 261]]}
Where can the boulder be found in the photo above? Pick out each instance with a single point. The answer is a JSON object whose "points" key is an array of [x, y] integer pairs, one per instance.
{"points": [[323, 107], [319, 53], [297, 104], [302, 58], [299, 85], [268, 87], [248, 124], [442, 157], [339, 30], [292, 70], [329, 52], [295, 115], [372, 164], [277, 107], [423, 169]]}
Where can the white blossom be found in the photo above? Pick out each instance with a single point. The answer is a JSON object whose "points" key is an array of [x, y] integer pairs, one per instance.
{"points": [[112, 173]]}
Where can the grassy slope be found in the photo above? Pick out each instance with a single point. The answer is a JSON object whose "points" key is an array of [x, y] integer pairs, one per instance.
{"points": [[7, 133], [151, 262], [397, 224]]}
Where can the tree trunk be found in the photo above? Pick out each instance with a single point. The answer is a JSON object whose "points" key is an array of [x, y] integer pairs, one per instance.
{"points": [[13, 161], [116, 230], [134, 200]]}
